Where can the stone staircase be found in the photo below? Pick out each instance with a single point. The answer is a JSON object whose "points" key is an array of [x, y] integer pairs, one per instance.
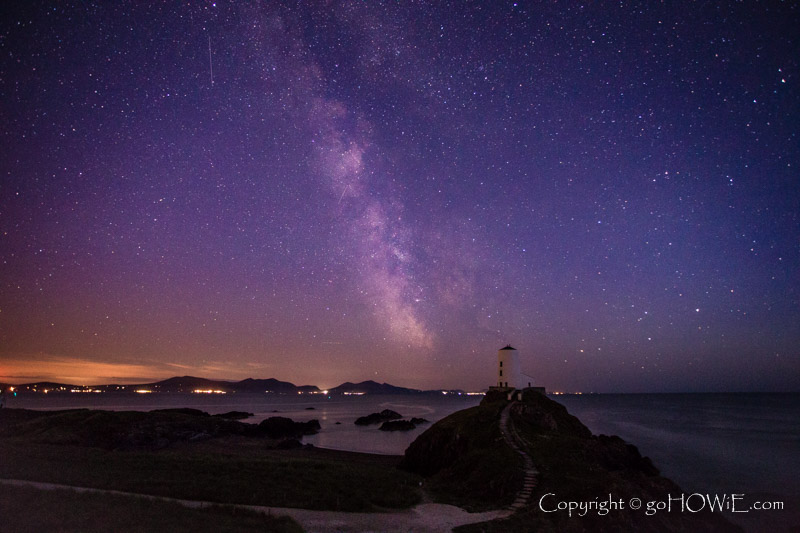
{"points": [[516, 442]]}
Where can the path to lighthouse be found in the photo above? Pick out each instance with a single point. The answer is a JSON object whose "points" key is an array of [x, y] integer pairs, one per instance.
{"points": [[513, 439]]}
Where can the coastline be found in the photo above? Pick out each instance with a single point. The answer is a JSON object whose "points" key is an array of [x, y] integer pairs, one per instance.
{"points": [[324, 454]]}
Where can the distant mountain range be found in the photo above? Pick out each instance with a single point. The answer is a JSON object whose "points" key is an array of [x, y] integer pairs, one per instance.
{"points": [[192, 384]]}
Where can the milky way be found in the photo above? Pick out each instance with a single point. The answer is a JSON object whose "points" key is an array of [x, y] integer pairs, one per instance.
{"points": [[332, 191]]}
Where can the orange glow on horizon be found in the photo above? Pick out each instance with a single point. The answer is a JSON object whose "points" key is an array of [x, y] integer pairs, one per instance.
{"points": [[79, 371]]}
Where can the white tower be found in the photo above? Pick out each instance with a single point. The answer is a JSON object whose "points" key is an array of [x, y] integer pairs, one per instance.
{"points": [[508, 370]]}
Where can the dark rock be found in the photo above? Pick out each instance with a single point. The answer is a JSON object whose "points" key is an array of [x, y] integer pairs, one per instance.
{"points": [[197, 437], [277, 427], [234, 415], [337, 424], [616, 454], [310, 408], [417, 421], [289, 444], [120, 430], [397, 425], [467, 461], [376, 418], [459, 435], [183, 411]]}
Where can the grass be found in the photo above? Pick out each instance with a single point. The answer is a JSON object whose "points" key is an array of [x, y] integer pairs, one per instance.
{"points": [[28, 509], [219, 472]]}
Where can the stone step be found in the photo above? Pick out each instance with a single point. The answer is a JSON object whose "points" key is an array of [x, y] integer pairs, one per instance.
{"points": [[515, 442]]}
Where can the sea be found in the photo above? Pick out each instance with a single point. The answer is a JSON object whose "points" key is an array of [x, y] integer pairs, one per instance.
{"points": [[336, 414], [709, 444]]}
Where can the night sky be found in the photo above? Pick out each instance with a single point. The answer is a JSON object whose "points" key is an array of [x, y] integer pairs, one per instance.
{"points": [[331, 191]]}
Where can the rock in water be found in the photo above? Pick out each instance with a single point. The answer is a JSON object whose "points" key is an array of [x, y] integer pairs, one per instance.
{"points": [[279, 427], [397, 425], [234, 415], [182, 411], [376, 418]]}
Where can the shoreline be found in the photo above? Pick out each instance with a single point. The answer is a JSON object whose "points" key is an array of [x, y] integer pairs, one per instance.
{"points": [[242, 447], [424, 517]]}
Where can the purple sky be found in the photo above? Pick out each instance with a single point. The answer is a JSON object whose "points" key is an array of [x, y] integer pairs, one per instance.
{"points": [[331, 191]]}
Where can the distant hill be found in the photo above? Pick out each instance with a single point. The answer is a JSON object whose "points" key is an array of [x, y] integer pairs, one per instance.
{"points": [[371, 387], [271, 385], [188, 384], [40, 386], [179, 384]]}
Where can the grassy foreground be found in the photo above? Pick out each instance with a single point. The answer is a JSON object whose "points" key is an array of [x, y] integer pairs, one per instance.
{"points": [[298, 478], [27, 509], [232, 469]]}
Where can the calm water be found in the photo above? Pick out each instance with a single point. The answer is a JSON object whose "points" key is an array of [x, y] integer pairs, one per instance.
{"points": [[707, 443], [711, 443]]}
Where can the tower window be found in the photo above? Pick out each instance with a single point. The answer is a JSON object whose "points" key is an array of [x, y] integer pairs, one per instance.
{"points": [[501, 364], [501, 373]]}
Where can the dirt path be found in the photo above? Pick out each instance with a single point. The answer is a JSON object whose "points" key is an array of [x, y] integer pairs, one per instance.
{"points": [[514, 440], [428, 517]]}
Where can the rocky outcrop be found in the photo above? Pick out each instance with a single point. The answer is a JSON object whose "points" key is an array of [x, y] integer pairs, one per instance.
{"points": [[377, 418], [182, 411], [402, 425], [119, 429], [467, 461], [234, 415], [279, 427], [113, 430], [397, 425]]}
